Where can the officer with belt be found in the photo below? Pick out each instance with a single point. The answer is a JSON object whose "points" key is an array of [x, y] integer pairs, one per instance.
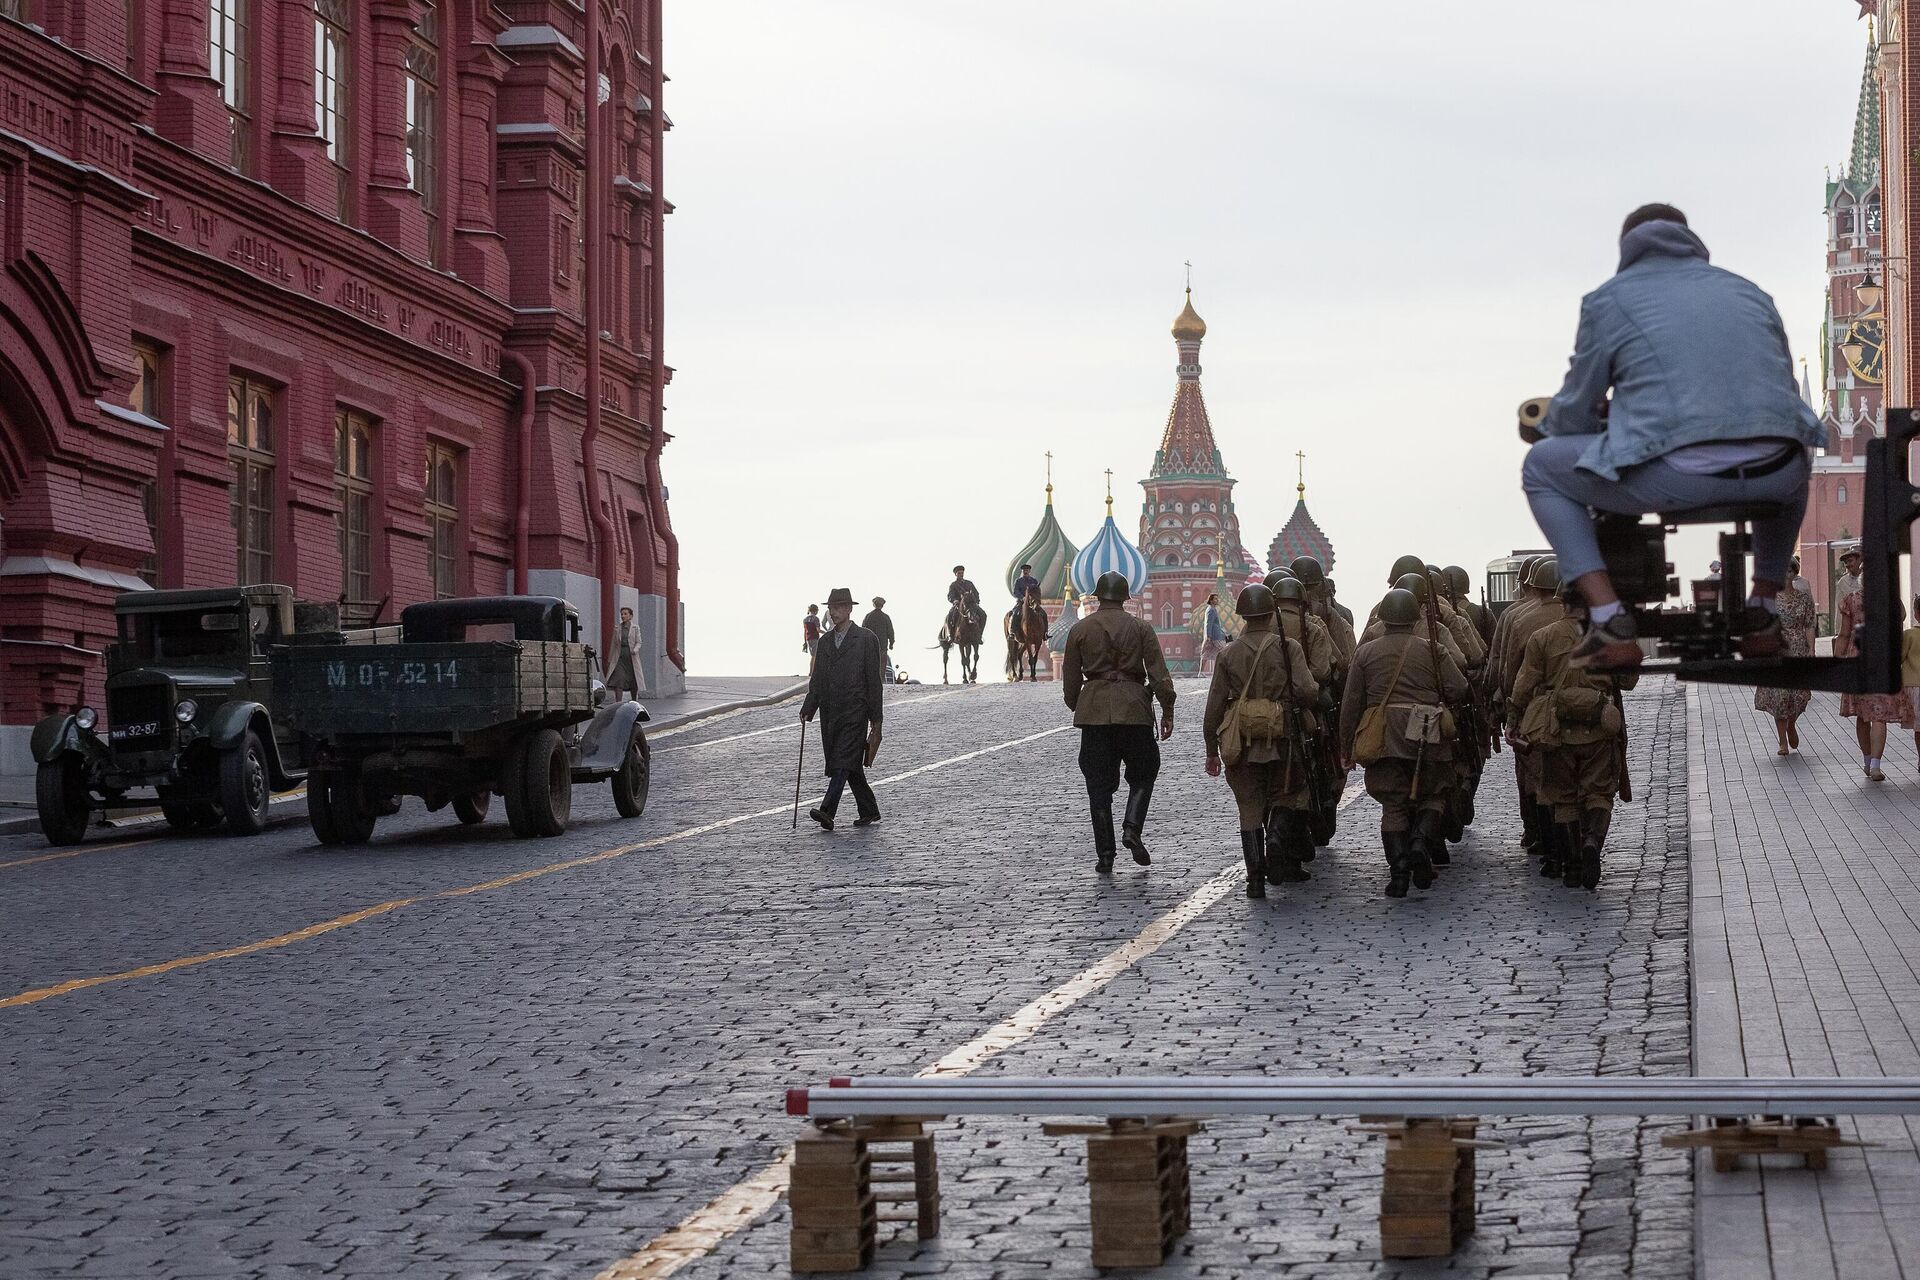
{"points": [[1111, 673]]}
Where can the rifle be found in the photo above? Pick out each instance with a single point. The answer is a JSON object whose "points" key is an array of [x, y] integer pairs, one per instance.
{"points": [[1620, 747]]}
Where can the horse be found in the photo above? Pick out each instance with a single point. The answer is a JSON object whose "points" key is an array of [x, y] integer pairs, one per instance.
{"points": [[1026, 630], [965, 626]]}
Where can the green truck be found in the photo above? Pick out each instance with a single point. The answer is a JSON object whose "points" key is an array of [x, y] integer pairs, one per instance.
{"points": [[477, 698], [194, 711]]}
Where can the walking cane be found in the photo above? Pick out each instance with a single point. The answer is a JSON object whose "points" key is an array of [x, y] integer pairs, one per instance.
{"points": [[798, 769]]}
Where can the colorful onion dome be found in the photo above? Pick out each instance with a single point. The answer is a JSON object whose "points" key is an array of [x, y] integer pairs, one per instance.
{"points": [[1109, 552], [1188, 326], [1050, 552], [1058, 628]]}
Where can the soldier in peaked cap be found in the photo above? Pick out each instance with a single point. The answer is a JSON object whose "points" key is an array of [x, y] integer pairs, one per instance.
{"points": [[1111, 673], [846, 690], [1262, 686]]}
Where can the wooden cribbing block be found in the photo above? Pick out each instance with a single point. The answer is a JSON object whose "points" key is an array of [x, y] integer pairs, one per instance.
{"points": [[1139, 1188], [1730, 1137], [830, 1193], [904, 1150], [1427, 1204]]}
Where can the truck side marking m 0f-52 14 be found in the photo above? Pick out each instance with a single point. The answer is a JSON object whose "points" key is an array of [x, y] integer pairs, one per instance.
{"points": [[378, 675]]}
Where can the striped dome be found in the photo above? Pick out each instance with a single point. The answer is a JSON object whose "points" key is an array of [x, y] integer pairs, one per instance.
{"points": [[1057, 630], [1049, 551], [1109, 552]]}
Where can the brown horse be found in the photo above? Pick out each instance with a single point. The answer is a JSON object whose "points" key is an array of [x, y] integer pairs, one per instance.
{"points": [[1026, 630], [966, 626]]}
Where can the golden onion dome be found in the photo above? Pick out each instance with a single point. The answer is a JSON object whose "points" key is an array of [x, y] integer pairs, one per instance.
{"points": [[1188, 326]]}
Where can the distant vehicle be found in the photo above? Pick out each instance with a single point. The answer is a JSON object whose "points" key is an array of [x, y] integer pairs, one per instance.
{"points": [[1503, 579], [481, 697], [193, 711]]}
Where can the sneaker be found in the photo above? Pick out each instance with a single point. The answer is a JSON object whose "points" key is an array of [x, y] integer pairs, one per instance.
{"points": [[1614, 645], [1762, 636]]}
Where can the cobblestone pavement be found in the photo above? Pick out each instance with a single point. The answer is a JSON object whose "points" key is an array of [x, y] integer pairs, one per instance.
{"points": [[536, 1077], [1807, 962]]}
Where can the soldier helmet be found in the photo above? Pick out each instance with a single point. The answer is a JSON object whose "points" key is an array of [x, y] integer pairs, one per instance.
{"points": [[1290, 589], [1545, 574], [1433, 571], [1112, 587], [1457, 578], [1255, 601], [1404, 566], [1415, 585], [1398, 608], [1309, 570], [1278, 576]]}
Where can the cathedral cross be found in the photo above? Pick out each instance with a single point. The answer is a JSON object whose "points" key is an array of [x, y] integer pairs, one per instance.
{"points": [[1302, 487]]}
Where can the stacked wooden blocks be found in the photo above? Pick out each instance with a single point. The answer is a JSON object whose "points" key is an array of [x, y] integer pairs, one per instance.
{"points": [[1138, 1188], [1427, 1196], [831, 1196], [1730, 1137], [905, 1172]]}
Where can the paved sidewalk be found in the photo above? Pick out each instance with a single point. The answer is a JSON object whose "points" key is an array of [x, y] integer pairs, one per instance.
{"points": [[1806, 961]]}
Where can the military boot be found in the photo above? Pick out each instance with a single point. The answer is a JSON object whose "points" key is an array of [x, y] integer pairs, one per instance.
{"points": [[1252, 848], [1395, 844], [1571, 856], [1286, 834], [1552, 855], [1135, 821], [1420, 844], [1529, 828], [1593, 838], [1103, 848], [1429, 836]]}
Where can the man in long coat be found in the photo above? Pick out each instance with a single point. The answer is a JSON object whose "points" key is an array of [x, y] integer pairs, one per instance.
{"points": [[881, 626], [846, 690]]}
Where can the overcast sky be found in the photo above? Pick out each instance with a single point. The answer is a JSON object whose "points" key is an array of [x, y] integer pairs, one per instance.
{"points": [[916, 246]]}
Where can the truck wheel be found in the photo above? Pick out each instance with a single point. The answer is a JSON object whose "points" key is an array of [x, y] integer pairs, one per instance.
{"points": [[336, 809], [244, 789], [538, 785], [60, 793], [630, 781], [472, 808], [320, 809], [189, 815]]}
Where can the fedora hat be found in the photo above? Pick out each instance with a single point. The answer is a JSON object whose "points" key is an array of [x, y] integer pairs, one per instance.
{"points": [[839, 595], [1853, 552]]}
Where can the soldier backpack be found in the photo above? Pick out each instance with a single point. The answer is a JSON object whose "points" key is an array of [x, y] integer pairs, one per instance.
{"points": [[1251, 720]]}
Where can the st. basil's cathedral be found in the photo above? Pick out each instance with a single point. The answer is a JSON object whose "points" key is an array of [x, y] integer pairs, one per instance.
{"points": [[1187, 544]]}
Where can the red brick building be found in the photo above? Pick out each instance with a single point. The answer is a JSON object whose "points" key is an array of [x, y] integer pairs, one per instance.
{"points": [[292, 291], [1850, 400]]}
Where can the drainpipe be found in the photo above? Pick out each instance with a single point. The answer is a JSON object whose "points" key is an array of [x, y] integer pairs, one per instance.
{"points": [[523, 456], [656, 492], [594, 219]]}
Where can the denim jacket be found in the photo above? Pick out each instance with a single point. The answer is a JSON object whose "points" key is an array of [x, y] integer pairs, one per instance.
{"points": [[1693, 354]]}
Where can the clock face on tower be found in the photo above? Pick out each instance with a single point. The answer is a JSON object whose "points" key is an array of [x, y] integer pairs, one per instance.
{"points": [[1869, 333]]}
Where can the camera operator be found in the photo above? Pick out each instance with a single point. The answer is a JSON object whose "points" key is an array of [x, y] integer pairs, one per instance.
{"points": [[1704, 413]]}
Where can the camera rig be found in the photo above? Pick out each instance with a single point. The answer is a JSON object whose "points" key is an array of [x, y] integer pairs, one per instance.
{"points": [[1701, 644]]}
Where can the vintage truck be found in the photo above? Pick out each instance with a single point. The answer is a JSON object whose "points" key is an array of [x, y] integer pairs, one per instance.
{"points": [[194, 711], [480, 697]]}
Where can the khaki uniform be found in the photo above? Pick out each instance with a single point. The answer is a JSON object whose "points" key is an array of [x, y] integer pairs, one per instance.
{"points": [[1339, 629], [1312, 636], [1391, 779], [1579, 761], [1443, 637], [1110, 675], [1262, 664]]}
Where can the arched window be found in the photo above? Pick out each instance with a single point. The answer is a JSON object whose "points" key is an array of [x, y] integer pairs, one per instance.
{"points": [[332, 22], [1843, 222], [1166, 618], [423, 123], [1873, 216], [1840, 493], [353, 488], [443, 519], [230, 61], [1171, 558]]}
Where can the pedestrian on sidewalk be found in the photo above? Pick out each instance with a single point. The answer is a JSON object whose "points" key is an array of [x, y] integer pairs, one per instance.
{"points": [[1786, 706], [1871, 712], [1111, 673], [621, 680], [1214, 637], [810, 634], [846, 691], [1263, 687], [881, 626]]}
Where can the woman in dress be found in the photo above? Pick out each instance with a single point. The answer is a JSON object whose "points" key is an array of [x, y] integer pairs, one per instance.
{"points": [[1871, 712], [1796, 623]]}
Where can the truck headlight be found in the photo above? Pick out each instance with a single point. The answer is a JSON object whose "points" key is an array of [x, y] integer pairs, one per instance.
{"points": [[186, 711], [86, 718]]}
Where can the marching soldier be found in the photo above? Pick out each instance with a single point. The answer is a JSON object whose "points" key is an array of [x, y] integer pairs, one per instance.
{"points": [[1526, 616], [1460, 595], [1392, 722], [1573, 720], [1255, 723], [1320, 604], [1112, 672], [1294, 619]]}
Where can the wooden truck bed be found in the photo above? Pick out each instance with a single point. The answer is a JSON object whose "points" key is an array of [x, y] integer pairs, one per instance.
{"points": [[433, 690]]}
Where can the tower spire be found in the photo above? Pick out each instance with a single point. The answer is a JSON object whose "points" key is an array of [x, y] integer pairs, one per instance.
{"points": [[1301, 487]]}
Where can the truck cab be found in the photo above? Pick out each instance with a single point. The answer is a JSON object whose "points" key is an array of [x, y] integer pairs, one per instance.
{"points": [[191, 711]]}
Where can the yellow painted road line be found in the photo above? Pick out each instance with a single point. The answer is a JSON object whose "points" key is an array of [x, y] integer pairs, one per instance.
{"points": [[75, 853], [500, 882], [741, 1205], [787, 727]]}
